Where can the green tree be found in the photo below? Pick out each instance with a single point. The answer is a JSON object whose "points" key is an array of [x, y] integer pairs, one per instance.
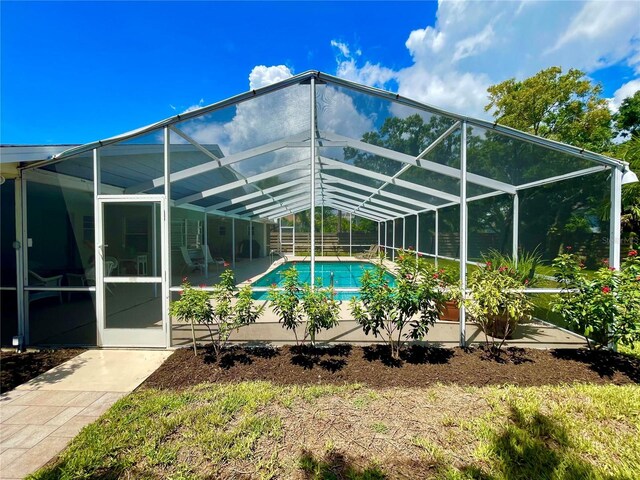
{"points": [[569, 108], [565, 107], [628, 117], [628, 125]]}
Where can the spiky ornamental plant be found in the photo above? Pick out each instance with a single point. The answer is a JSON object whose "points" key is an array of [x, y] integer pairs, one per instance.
{"points": [[401, 312]]}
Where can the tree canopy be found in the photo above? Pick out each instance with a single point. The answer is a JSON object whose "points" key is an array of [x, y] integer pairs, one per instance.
{"points": [[565, 107]]}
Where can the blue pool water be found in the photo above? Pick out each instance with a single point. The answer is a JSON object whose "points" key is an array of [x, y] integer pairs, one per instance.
{"points": [[345, 275]]}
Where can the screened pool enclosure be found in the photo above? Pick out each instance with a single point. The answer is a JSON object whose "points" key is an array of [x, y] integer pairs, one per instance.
{"points": [[312, 167]]}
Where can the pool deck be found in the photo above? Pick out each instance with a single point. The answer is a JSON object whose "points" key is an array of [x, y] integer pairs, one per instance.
{"points": [[267, 330]]}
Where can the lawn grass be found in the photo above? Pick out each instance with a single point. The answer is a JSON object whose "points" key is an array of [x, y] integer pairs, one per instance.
{"points": [[633, 351], [260, 430]]}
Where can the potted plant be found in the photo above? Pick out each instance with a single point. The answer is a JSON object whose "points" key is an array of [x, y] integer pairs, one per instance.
{"points": [[496, 300], [449, 280]]}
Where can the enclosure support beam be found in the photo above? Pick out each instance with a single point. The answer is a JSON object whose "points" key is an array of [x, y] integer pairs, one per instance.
{"points": [[404, 233], [393, 241], [250, 240], [312, 160], [463, 230], [614, 218], [233, 243], [436, 240], [322, 230], [206, 243], [97, 252], [165, 232], [385, 236], [417, 234], [20, 247], [350, 233], [516, 221], [293, 233]]}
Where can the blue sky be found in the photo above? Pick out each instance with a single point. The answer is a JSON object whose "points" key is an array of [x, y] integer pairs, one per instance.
{"points": [[78, 72]]}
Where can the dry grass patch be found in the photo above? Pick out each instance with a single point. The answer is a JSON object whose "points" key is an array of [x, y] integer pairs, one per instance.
{"points": [[261, 430]]}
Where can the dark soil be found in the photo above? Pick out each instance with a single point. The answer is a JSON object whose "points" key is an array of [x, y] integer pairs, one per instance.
{"points": [[420, 366], [18, 368]]}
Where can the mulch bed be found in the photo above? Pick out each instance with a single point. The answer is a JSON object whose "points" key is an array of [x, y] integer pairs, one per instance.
{"points": [[18, 368], [420, 366]]}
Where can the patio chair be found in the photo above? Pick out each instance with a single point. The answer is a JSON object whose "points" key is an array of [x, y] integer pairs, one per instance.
{"points": [[217, 261], [88, 279], [190, 262], [369, 254], [36, 280]]}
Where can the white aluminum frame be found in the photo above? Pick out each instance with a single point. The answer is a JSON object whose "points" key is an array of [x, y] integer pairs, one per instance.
{"points": [[316, 188], [131, 337]]}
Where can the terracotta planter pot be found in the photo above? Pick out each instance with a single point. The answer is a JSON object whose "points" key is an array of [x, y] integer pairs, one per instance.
{"points": [[497, 324], [449, 311]]}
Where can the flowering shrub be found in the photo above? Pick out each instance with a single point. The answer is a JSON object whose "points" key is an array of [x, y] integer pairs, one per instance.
{"points": [[410, 307], [605, 306], [294, 302], [230, 310]]}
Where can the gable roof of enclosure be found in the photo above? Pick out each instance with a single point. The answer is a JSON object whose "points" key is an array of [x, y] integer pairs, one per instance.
{"points": [[378, 155]]}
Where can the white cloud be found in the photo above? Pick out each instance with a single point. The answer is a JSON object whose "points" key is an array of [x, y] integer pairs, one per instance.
{"points": [[343, 47], [369, 74], [626, 90], [275, 116], [473, 45], [612, 25], [476, 44], [198, 105], [261, 75]]}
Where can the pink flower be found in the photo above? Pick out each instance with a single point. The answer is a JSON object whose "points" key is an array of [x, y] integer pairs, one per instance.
{"points": [[226, 264], [633, 253], [569, 248], [435, 275], [502, 269], [202, 285], [613, 269], [606, 289], [605, 261], [185, 279], [419, 254], [410, 247], [526, 281]]}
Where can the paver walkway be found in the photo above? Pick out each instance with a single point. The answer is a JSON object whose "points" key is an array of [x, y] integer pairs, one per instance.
{"points": [[40, 417]]}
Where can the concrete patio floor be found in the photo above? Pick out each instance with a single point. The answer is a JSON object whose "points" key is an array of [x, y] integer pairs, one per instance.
{"points": [[39, 418]]}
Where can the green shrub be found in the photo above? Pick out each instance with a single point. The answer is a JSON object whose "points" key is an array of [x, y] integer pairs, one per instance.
{"points": [[604, 307], [401, 312], [294, 302], [230, 310]]}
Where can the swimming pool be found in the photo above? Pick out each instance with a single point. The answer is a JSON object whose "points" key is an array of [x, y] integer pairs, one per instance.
{"points": [[346, 275]]}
